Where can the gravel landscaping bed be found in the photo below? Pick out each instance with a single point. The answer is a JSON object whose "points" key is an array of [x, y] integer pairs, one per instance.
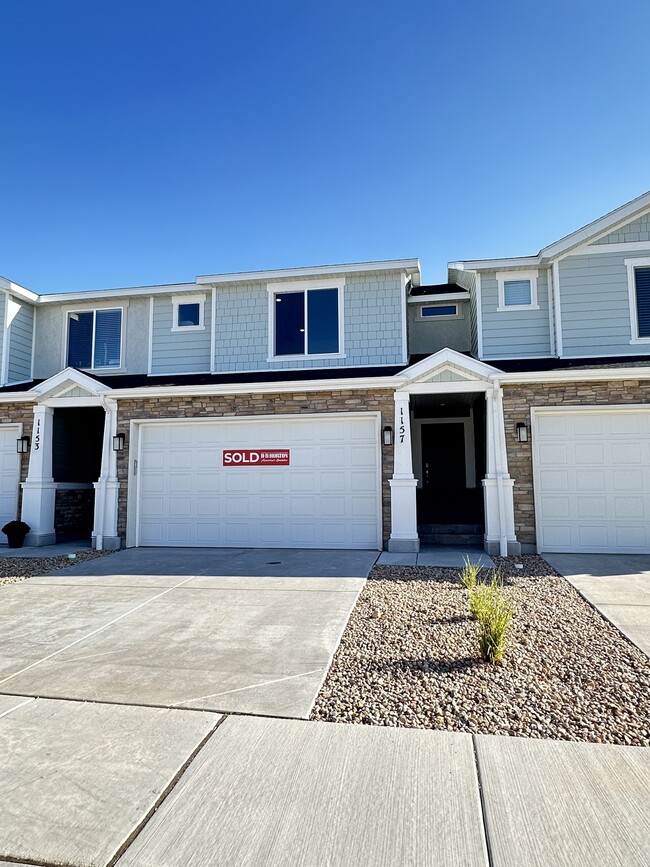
{"points": [[409, 657], [14, 569]]}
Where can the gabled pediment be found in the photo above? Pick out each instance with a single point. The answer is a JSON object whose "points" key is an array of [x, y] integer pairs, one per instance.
{"points": [[70, 383], [447, 365]]}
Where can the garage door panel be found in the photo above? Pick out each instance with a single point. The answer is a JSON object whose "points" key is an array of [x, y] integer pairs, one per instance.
{"points": [[632, 508], [606, 481], [328, 495], [590, 507]]}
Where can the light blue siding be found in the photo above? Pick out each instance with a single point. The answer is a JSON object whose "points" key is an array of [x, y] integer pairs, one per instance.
{"points": [[21, 332], [514, 333], [595, 304], [372, 326], [467, 279], [178, 351], [637, 230]]}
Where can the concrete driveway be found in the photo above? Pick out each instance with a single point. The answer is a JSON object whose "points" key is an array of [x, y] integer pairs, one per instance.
{"points": [[618, 585], [224, 630]]}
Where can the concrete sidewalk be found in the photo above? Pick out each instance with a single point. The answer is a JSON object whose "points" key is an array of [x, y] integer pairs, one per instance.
{"points": [[618, 585], [91, 784]]}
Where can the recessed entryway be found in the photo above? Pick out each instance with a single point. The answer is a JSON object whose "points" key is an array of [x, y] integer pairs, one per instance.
{"points": [[448, 435]]}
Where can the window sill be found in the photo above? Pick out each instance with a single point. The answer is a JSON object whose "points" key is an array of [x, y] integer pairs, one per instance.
{"points": [[101, 369], [319, 357], [188, 328], [639, 340], [514, 308]]}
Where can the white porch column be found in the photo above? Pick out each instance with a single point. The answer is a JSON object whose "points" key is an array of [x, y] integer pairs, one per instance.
{"points": [[403, 507], [39, 489], [498, 486], [105, 535]]}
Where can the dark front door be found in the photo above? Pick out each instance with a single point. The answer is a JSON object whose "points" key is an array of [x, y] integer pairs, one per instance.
{"points": [[443, 459]]}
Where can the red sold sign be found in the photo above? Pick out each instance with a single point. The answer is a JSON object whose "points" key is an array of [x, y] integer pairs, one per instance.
{"points": [[259, 457]]}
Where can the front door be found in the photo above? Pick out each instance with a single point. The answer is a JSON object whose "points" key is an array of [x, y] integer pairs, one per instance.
{"points": [[443, 458]]}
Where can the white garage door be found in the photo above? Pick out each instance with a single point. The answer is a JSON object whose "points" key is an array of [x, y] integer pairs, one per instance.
{"points": [[325, 493], [592, 480], [9, 475]]}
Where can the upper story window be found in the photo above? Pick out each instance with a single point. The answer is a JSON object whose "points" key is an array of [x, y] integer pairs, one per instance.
{"points": [[517, 290], [444, 311], [188, 313], [305, 321], [638, 277], [95, 339]]}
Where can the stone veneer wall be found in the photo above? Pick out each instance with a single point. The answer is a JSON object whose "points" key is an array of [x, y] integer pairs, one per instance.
{"points": [[517, 401], [12, 413], [74, 512], [257, 404]]}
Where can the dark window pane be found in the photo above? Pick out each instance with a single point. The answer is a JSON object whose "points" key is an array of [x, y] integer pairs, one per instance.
{"points": [[447, 310], [108, 332], [323, 320], [642, 279], [290, 323], [80, 339], [188, 314]]}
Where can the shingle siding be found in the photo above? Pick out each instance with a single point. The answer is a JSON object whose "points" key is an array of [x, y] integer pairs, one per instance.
{"points": [[637, 230], [372, 327]]}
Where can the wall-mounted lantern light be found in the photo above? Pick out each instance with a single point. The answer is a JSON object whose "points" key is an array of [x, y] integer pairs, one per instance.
{"points": [[522, 432], [22, 445], [118, 443], [387, 434]]}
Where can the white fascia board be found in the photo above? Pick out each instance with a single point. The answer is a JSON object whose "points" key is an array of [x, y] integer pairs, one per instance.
{"points": [[410, 266], [448, 296], [18, 291], [603, 226], [495, 264], [593, 374], [92, 295]]}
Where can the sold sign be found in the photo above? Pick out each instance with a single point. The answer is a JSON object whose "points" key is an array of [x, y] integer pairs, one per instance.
{"points": [[259, 457]]}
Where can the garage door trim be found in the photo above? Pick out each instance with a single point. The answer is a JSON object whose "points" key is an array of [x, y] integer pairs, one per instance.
{"points": [[18, 429], [536, 412], [136, 425]]}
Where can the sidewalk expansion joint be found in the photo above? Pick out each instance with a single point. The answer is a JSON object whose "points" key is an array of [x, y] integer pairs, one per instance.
{"points": [[164, 795], [481, 794]]}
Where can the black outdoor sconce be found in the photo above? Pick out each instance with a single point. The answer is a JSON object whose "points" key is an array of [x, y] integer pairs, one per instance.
{"points": [[118, 442], [388, 435], [522, 432], [22, 445]]}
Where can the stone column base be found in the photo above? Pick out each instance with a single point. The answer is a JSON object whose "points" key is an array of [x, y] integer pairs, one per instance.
{"points": [[109, 543]]}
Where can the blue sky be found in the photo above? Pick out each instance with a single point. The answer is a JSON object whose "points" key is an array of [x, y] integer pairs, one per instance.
{"points": [[147, 143]]}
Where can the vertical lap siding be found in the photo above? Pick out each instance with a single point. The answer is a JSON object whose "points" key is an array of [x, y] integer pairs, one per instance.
{"points": [[20, 344]]}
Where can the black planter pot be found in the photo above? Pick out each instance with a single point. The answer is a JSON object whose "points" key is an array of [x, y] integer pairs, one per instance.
{"points": [[16, 540]]}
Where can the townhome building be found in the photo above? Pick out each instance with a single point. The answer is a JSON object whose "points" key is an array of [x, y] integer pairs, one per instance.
{"points": [[345, 406]]}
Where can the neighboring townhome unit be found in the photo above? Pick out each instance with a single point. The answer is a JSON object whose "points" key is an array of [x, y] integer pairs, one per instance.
{"points": [[567, 333]]}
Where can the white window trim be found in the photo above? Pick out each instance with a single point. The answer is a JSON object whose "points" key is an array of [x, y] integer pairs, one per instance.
{"points": [[94, 309], [631, 265], [456, 315], [177, 300], [504, 277], [304, 286]]}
